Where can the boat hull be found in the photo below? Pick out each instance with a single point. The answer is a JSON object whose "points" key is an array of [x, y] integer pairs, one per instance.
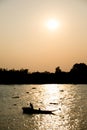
{"points": [[27, 110]]}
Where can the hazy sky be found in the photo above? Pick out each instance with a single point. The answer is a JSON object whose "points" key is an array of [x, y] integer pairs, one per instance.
{"points": [[26, 41]]}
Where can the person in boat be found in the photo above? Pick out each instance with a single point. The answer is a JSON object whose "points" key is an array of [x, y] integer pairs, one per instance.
{"points": [[31, 106], [39, 109]]}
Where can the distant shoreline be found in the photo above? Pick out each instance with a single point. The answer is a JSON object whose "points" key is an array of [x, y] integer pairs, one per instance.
{"points": [[77, 75]]}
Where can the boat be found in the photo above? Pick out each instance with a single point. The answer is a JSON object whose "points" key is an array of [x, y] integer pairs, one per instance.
{"points": [[28, 110]]}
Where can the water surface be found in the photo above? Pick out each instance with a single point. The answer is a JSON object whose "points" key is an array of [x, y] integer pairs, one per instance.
{"points": [[70, 101]]}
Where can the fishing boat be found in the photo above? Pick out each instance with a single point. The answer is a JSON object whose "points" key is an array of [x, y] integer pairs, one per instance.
{"points": [[28, 110]]}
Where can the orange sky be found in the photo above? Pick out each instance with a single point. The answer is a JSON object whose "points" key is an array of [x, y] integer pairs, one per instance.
{"points": [[25, 41]]}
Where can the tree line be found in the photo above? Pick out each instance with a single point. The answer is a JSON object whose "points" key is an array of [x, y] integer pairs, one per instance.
{"points": [[77, 75]]}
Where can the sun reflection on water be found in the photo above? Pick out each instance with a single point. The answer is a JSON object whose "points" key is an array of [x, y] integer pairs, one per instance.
{"points": [[51, 88], [51, 95], [61, 98]]}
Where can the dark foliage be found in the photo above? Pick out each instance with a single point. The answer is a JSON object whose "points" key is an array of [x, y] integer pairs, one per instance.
{"points": [[77, 75]]}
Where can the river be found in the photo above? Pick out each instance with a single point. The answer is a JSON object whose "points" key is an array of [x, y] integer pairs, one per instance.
{"points": [[69, 101]]}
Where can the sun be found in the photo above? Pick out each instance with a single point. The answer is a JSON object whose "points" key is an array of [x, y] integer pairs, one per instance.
{"points": [[52, 24]]}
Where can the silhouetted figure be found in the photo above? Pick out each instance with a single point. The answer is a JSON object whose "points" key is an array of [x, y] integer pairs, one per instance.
{"points": [[39, 109], [31, 106]]}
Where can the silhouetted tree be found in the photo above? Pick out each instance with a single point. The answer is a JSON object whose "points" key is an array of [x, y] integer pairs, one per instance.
{"points": [[58, 70], [78, 73], [24, 71], [79, 68]]}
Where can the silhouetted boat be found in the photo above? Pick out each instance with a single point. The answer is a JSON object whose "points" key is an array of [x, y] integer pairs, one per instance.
{"points": [[28, 110]]}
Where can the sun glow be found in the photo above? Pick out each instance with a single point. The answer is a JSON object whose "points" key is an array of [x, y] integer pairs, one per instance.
{"points": [[52, 24]]}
